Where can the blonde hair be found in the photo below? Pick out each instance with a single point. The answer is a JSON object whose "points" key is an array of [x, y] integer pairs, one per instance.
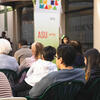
{"points": [[39, 49], [5, 46]]}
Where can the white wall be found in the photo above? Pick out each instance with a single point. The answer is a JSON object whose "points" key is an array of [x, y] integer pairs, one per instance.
{"points": [[1, 23], [10, 25], [97, 24]]}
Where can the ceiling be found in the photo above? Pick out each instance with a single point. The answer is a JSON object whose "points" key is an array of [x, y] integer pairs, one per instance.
{"points": [[26, 2], [15, 2]]}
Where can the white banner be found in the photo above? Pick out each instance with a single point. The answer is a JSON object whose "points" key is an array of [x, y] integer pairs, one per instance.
{"points": [[47, 21]]}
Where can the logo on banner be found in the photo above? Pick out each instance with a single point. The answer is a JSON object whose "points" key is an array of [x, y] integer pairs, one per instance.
{"points": [[49, 4]]}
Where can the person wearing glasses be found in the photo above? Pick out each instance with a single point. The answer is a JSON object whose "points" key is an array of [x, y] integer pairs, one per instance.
{"points": [[65, 57]]}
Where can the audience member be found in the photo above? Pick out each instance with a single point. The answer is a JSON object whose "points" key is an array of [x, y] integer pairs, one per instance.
{"points": [[3, 35], [65, 57], [23, 51], [65, 39], [39, 69], [6, 61], [79, 60], [37, 49], [5, 89], [92, 62]]}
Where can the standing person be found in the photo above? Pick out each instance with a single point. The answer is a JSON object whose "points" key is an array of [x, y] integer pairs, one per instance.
{"points": [[92, 62], [65, 57], [65, 39], [23, 51], [6, 61], [38, 70]]}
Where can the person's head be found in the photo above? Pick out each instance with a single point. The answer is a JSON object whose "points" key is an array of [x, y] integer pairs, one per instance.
{"points": [[37, 49], [66, 55], [49, 53], [92, 59], [65, 39], [3, 34], [22, 42], [5, 46], [77, 46]]}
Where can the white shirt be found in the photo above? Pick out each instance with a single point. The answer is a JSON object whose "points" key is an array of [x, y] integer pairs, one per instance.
{"points": [[38, 70]]}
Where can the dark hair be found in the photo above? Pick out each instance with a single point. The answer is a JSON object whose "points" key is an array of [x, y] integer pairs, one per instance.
{"points": [[23, 42], [93, 60], [63, 39], [67, 53], [77, 46], [49, 53], [3, 34]]}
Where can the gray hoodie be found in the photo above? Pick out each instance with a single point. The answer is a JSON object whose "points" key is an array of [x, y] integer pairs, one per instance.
{"points": [[59, 76]]}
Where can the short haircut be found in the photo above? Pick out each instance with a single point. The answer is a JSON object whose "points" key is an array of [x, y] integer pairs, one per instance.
{"points": [[77, 45], [5, 46], [3, 34], [67, 53], [23, 42], [49, 53]]}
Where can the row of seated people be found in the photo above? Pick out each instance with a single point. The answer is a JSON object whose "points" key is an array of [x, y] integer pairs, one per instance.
{"points": [[65, 57], [8, 62], [28, 83]]}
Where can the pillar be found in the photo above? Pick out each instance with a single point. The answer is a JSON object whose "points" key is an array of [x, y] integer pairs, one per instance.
{"points": [[96, 24]]}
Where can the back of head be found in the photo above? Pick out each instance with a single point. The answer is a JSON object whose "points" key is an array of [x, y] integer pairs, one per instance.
{"points": [[67, 53], [38, 49], [76, 45], [49, 53], [93, 58], [23, 42], [3, 34], [5, 46]]}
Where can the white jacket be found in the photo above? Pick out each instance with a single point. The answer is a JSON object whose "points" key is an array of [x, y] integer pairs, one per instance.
{"points": [[38, 70]]}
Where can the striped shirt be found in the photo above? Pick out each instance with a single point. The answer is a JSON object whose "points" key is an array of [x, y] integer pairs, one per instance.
{"points": [[5, 89]]}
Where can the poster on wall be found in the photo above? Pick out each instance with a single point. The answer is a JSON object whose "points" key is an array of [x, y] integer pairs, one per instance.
{"points": [[47, 22]]}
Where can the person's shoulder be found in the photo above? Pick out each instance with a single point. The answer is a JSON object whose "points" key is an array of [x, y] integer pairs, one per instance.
{"points": [[79, 70], [17, 51]]}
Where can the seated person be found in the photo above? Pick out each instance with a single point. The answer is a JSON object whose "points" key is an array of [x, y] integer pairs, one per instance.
{"points": [[39, 69], [92, 62], [5, 89], [65, 58], [23, 52], [79, 61], [6, 61], [37, 49]]}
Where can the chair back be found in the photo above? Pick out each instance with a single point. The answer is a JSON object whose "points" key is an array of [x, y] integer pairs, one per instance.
{"points": [[22, 75], [66, 90], [13, 98], [11, 76], [94, 89]]}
